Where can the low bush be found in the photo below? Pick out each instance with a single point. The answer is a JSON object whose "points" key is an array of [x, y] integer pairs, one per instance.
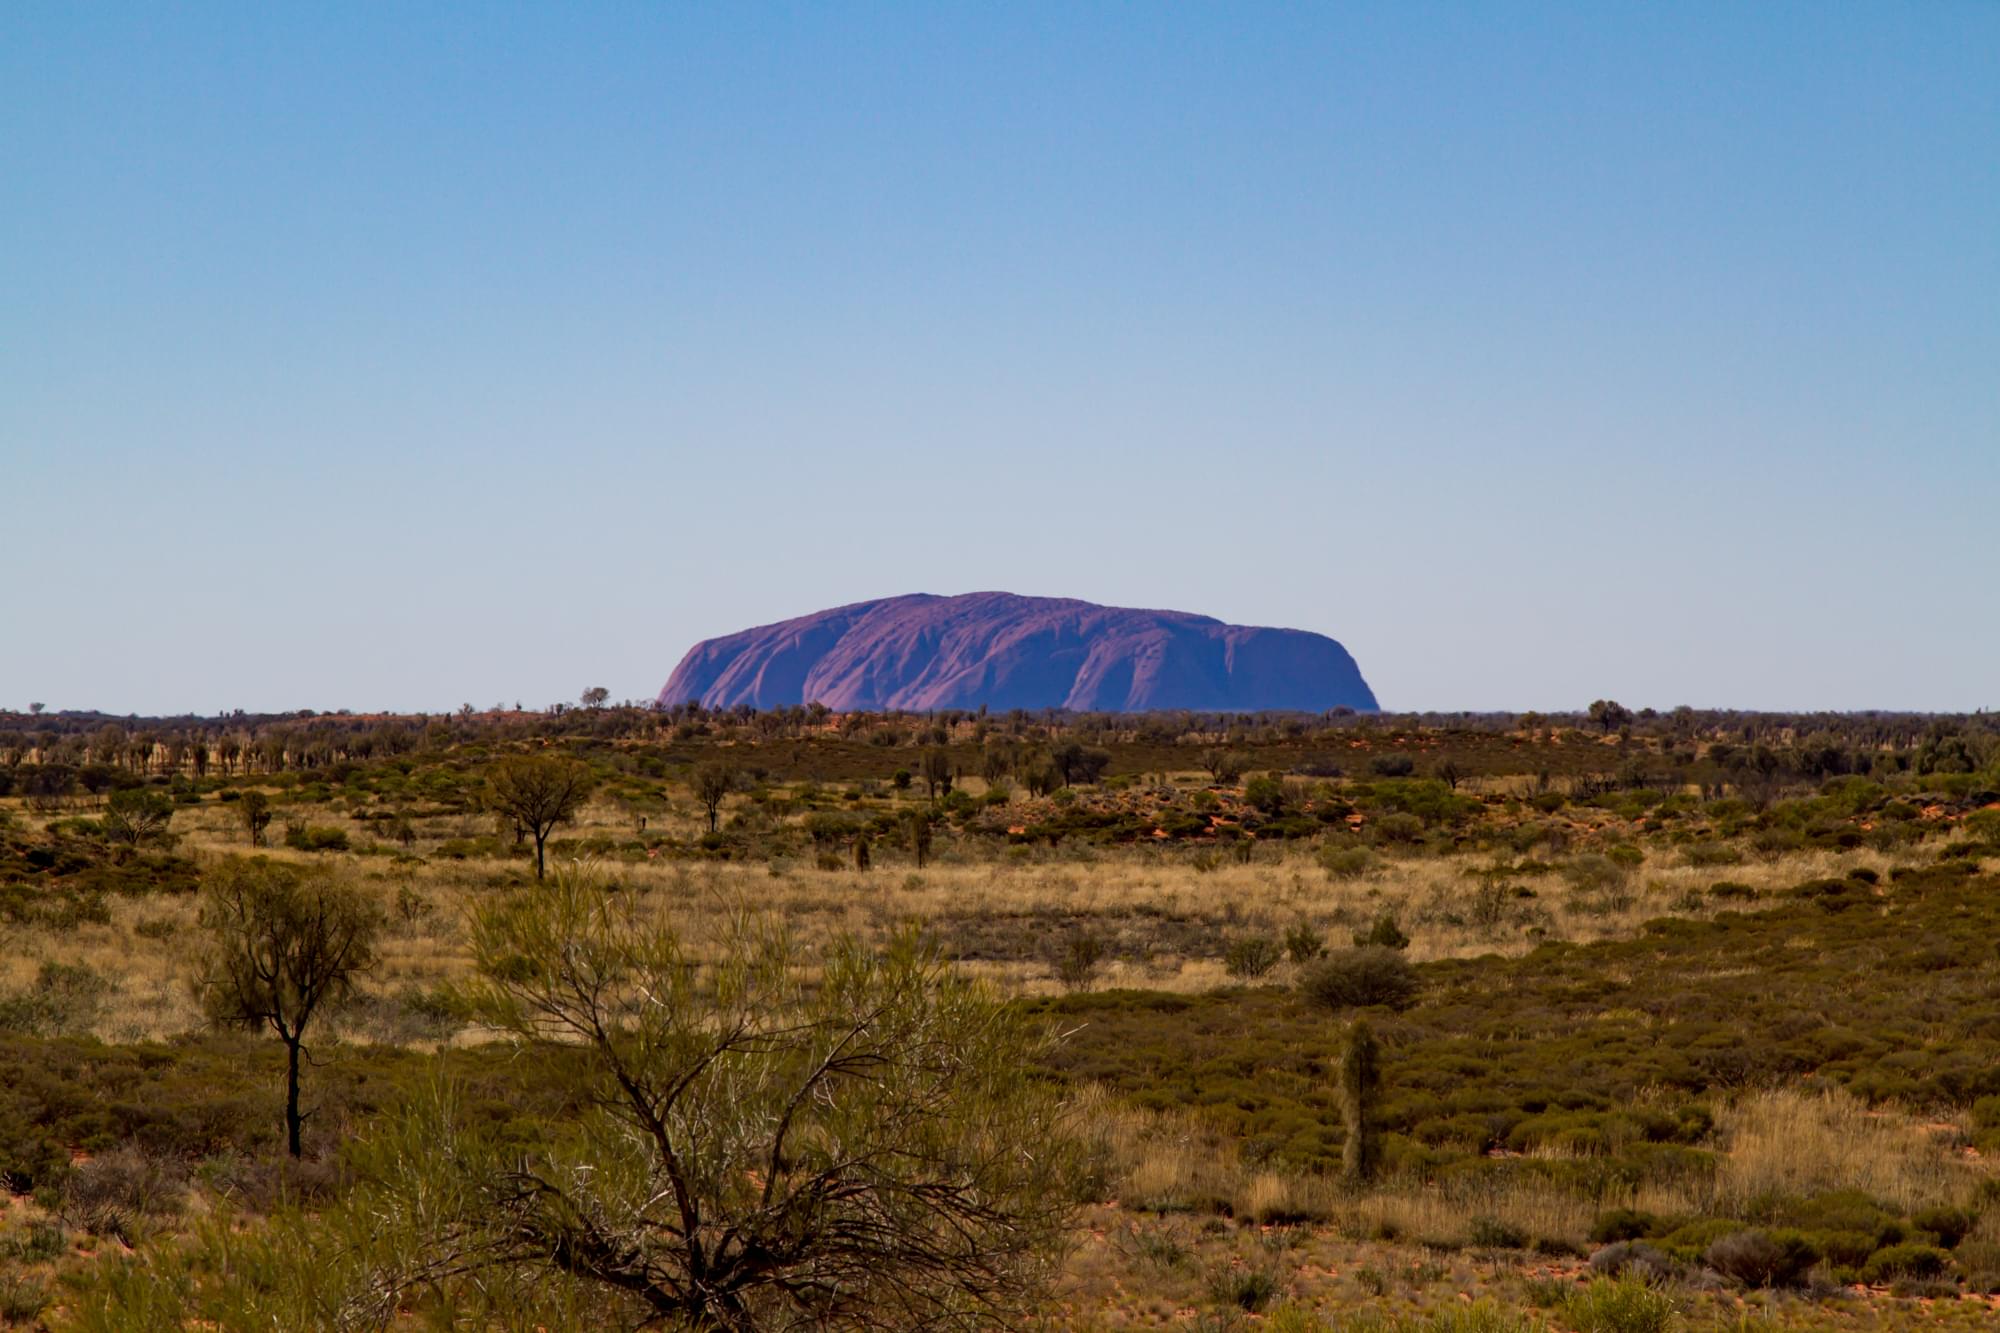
{"points": [[1357, 978], [1623, 1224], [1635, 1258], [1949, 1225], [1346, 862], [1762, 1258], [1898, 1263], [1494, 1234], [1384, 933], [65, 1000], [1252, 956], [315, 838]]}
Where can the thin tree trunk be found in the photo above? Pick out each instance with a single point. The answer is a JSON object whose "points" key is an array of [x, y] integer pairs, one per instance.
{"points": [[293, 1120], [538, 855]]}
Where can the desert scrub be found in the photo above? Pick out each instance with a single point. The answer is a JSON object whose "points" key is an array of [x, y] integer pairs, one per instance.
{"points": [[1252, 956], [1357, 978], [1620, 1305]]}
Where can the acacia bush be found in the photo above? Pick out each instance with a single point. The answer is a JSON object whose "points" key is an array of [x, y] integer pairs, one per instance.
{"points": [[1252, 956], [1762, 1258], [1359, 977]]}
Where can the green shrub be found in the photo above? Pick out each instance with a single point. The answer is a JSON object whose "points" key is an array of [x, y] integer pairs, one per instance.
{"points": [[1895, 1263], [1385, 933], [1252, 956], [1077, 959], [1399, 828], [1762, 1258], [1346, 862], [1622, 1224], [1632, 1258], [315, 838], [1949, 1225], [1688, 1242], [1304, 943], [1354, 978], [66, 999], [1494, 1234]]}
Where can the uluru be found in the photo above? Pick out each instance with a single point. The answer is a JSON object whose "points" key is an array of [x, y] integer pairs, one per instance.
{"points": [[1002, 651]]}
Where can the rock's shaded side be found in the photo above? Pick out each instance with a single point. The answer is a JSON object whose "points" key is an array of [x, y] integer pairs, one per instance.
{"points": [[924, 652]]}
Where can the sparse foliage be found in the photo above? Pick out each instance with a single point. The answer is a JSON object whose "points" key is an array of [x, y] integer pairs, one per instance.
{"points": [[847, 1140], [284, 944], [712, 782], [537, 792]]}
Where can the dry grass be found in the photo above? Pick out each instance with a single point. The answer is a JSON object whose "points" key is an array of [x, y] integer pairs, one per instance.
{"points": [[1164, 919], [1803, 1143]]}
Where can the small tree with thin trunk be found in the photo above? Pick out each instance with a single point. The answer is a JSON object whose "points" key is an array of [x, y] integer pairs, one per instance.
{"points": [[256, 809], [538, 792], [712, 782], [284, 943], [937, 772], [1360, 1080]]}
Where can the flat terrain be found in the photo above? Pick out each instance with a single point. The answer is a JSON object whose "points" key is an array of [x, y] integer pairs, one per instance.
{"points": [[1672, 981]]}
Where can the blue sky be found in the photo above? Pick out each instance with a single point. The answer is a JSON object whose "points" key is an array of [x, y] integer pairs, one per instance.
{"points": [[402, 356]]}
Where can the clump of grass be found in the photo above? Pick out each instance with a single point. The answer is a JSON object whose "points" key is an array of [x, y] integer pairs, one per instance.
{"points": [[1248, 1289], [22, 1299], [1620, 1305]]}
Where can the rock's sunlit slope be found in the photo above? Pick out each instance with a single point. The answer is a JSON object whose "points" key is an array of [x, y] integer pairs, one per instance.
{"points": [[924, 652]]}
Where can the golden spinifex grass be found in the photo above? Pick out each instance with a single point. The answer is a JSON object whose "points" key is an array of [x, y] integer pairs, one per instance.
{"points": [[1165, 921], [1680, 1082]]}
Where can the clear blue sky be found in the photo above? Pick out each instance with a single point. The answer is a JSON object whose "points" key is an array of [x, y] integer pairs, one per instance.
{"points": [[407, 355]]}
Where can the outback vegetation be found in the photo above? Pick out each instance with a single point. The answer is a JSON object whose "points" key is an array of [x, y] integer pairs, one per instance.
{"points": [[624, 1017]]}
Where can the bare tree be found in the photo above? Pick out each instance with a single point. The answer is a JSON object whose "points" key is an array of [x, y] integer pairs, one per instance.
{"points": [[595, 696], [284, 942], [538, 792], [937, 771]]}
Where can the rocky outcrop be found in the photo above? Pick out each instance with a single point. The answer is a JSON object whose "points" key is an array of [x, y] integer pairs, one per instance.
{"points": [[1000, 651]]}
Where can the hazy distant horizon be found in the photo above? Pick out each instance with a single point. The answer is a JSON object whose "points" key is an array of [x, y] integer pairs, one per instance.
{"points": [[384, 357]]}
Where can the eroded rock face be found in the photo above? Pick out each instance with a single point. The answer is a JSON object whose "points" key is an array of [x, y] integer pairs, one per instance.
{"points": [[1001, 651]]}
